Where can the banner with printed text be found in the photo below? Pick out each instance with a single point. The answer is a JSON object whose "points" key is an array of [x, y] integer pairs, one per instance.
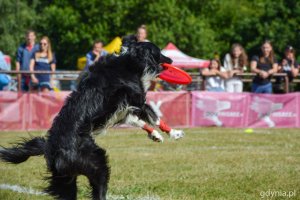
{"points": [[172, 107], [219, 109], [245, 110], [36, 111]]}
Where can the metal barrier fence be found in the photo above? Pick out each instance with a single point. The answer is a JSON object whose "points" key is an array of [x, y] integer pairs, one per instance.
{"points": [[196, 77]]}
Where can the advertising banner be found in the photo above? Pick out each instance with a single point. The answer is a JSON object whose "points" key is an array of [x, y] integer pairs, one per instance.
{"points": [[245, 110], [218, 109], [172, 107], [36, 111]]}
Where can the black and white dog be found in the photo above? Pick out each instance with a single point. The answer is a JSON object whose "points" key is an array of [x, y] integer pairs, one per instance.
{"points": [[113, 92]]}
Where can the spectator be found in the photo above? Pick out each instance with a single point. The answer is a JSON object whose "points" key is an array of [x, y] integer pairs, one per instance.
{"points": [[264, 66], [140, 36], [43, 60], [235, 62], [289, 66], [214, 76], [95, 54], [4, 78], [24, 54]]}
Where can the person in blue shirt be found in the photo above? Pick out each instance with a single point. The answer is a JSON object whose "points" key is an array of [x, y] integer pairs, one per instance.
{"points": [[4, 78], [95, 54], [24, 54], [43, 60]]}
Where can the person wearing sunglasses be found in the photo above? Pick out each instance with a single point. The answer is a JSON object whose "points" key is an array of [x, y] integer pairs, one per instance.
{"points": [[43, 60]]}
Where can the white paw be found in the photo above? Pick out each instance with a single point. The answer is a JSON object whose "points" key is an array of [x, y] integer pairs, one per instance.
{"points": [[156, 136], [176, 134]]}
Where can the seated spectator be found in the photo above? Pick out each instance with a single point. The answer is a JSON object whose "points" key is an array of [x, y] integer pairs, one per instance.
{"points": [[234, 63], [264, 66], [24, 54], [43, 60], [290, 66], [95, 54], [4, 78], [214, 76]]}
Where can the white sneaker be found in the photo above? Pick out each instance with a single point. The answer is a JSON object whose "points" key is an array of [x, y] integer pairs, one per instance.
{"points": [[156, 136], [176, 134]]}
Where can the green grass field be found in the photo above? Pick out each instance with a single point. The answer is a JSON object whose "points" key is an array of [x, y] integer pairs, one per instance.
{"points": [[209, 163]]}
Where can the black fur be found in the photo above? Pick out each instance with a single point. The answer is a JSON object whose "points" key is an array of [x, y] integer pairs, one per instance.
{"points": [[23, 150], [114, 82]]}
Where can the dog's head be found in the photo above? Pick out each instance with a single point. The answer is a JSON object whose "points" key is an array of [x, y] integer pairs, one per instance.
{"points": [[147, 57]]}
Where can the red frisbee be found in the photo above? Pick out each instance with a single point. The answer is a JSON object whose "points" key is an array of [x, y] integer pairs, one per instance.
{"points": [[173, 74]]}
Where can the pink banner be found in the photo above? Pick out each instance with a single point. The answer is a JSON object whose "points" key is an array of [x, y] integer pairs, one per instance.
{"points": [[218, 109], [245, 110], [29, 111], [274, 110], [36, 111], [33, 111], [173, 107]]}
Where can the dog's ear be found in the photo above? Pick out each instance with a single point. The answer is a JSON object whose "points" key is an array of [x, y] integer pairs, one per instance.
{"points": [[139, 55], [147, 55], [129, 40], [101, 63]]}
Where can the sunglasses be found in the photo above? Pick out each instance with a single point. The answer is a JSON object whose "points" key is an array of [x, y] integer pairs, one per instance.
{"points": [[43, 44]]}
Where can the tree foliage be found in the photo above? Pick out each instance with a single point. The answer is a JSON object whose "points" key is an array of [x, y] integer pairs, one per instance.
{"points": [[199, 28]]}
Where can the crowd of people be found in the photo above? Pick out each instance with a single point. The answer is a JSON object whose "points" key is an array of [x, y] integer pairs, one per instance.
{"points": [[226, 77], [32, 57]]}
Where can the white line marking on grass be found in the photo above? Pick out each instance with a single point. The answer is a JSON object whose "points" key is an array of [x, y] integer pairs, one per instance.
{"points": [[121, 197], [20, 189]]}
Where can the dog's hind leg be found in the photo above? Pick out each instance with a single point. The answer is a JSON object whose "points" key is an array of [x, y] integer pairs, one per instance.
{"points": [[96, 168], [62, 187]]}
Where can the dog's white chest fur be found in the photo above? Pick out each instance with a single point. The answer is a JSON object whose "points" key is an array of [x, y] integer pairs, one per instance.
{"points": [[146, 80], [117, 117]]}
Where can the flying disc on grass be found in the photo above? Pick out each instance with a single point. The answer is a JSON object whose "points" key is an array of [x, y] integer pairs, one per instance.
{"points": [[173, 74]]}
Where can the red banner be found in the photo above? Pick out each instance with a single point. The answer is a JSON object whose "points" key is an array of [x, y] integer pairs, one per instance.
{"points": [[172, 107], [29, 111], [36, 111], [245, 110]]}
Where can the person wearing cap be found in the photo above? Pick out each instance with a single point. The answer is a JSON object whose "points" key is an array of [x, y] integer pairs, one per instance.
{"points": [[288, 65]]}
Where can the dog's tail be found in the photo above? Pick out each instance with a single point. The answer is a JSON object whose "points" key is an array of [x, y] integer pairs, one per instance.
{"points": [[23, 150]]}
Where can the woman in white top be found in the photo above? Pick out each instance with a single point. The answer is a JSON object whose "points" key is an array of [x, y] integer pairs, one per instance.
{"points": [[235, 62], [214, 76]]}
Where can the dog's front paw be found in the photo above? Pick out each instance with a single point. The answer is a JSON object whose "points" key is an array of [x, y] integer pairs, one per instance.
{"points": [[176, 134], [156, 136]]}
